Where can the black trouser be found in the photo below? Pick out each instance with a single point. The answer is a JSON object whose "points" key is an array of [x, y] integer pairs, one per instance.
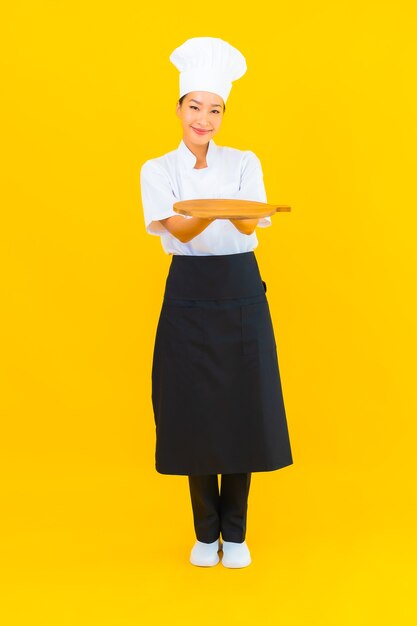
{"points": [[223, 511]]}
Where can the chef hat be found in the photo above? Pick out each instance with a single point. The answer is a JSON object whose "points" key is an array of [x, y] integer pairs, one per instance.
{"points": [[208, 64]]}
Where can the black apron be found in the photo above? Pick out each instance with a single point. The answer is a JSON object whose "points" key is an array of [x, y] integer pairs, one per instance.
{"points": [[216, 388]]}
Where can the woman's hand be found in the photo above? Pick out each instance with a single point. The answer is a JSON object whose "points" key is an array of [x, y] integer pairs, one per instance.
{"points": [[245, 226]]}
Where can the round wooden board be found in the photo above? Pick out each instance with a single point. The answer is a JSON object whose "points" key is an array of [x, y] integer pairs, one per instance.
{"points": [[227, 208]]}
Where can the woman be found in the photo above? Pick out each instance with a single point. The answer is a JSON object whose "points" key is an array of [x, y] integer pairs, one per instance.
{"points": [[216, 388]]}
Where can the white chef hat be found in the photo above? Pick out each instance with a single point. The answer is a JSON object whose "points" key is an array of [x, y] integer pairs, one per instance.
{"points": [[208, 64]]}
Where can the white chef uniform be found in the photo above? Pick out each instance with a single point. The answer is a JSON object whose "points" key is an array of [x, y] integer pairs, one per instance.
{"points": [[230, 173]]}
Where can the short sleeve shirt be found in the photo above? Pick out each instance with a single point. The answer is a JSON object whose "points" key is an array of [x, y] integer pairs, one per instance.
{"points": [[230, 173]]}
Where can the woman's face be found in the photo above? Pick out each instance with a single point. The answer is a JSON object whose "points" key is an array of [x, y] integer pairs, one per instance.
{"points": [[200, 110]]}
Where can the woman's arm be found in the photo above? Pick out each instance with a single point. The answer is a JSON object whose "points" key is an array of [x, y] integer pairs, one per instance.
{"points": [[186, 229]]}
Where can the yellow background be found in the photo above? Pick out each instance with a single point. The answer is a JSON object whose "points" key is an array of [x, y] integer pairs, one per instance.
{"points": [[90, 533]]}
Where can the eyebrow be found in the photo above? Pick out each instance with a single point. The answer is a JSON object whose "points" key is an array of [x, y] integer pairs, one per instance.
{"points": [[213, 105]]}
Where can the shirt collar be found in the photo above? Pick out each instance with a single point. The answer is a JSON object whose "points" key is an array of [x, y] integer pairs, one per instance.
{"points": [[189, 159]]}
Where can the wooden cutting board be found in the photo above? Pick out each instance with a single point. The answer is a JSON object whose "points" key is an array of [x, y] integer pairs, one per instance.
{"points": [[227, 208]]}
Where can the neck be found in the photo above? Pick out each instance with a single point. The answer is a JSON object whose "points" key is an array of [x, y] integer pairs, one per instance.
{"points": [[200, 151]]}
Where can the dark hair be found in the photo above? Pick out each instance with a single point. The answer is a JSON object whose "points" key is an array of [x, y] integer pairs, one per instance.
{"points": [[186, 94]]}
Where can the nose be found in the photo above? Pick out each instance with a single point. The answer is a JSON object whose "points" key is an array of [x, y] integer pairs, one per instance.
{"points": [[202, 120]]}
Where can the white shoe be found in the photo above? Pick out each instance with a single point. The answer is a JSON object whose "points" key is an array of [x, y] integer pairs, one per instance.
{"points": [[205, 554], [236, 554]]}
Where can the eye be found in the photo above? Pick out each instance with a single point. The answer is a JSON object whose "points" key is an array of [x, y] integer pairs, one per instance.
{"points": [[192, 106]]}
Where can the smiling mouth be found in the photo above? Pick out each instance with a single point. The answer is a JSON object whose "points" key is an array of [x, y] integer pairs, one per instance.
{"points": [[201, 131]]}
